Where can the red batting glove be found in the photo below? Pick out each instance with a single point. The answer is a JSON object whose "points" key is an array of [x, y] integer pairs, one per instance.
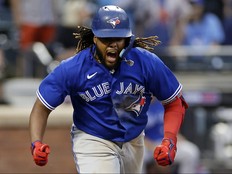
{"points": [[165, 153], [40, 152]]}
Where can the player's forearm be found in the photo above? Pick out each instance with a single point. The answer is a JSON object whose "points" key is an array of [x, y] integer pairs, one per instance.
{"points": [[173, 117], [38, 121], [37, 128]]}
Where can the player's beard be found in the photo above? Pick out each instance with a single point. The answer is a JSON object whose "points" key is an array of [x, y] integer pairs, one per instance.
{"points": [[99, 57]]}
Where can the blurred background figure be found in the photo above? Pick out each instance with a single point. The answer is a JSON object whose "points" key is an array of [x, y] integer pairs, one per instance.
{"points": [[36, 21], [72, 14], [227, 21], [199, 28], [221, 138], [6, 44], [202, 30], [188, 159], [160, 18]]}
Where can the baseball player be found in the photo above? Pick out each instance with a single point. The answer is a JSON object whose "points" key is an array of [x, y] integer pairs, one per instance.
{"points": [[110, 81]]}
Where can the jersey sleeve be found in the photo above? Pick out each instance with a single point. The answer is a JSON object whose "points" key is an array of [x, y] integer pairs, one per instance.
{"points": [[162, 82], [54, 88]]}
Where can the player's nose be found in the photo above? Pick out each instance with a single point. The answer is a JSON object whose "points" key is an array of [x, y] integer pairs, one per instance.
{"points": [[113, 43]]}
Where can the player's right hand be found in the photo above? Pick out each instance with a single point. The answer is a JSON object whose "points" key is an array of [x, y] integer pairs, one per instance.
{"points": [[40, 152]]}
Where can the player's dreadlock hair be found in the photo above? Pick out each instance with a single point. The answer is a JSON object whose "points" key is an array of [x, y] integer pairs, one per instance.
{"points": [[85, 39]]}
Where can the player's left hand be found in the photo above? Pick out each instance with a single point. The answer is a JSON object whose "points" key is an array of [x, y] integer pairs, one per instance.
{"points": [[40, 153], [165, 153]]}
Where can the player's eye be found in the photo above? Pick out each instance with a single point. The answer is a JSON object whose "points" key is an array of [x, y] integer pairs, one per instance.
{"points": [[110, 39]]}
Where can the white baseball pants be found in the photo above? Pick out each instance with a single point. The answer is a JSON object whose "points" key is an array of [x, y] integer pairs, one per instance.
{"points": [[96, 155]]}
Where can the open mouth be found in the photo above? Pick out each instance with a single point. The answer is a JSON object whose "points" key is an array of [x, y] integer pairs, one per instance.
{"points": [[111, 56]]}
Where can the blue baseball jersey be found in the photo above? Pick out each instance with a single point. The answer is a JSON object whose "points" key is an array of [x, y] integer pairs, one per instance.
{"points": [[109, 105]]}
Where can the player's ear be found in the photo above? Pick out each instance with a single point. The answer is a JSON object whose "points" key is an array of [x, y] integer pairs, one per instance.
{"points": [[94, 39]]}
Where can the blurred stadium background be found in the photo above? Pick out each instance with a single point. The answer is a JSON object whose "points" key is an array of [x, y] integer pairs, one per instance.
{"points": [[205, 72]]}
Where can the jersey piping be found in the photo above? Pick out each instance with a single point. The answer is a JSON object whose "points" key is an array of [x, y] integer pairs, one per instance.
{"points": [[43, 101]]}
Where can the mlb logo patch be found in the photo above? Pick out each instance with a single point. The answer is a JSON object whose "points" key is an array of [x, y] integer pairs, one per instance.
{"points": [[114, 21]]}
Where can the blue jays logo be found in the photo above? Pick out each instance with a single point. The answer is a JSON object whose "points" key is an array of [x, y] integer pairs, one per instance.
{"points": [[114, 21], [131, 103], [137, 105]]}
